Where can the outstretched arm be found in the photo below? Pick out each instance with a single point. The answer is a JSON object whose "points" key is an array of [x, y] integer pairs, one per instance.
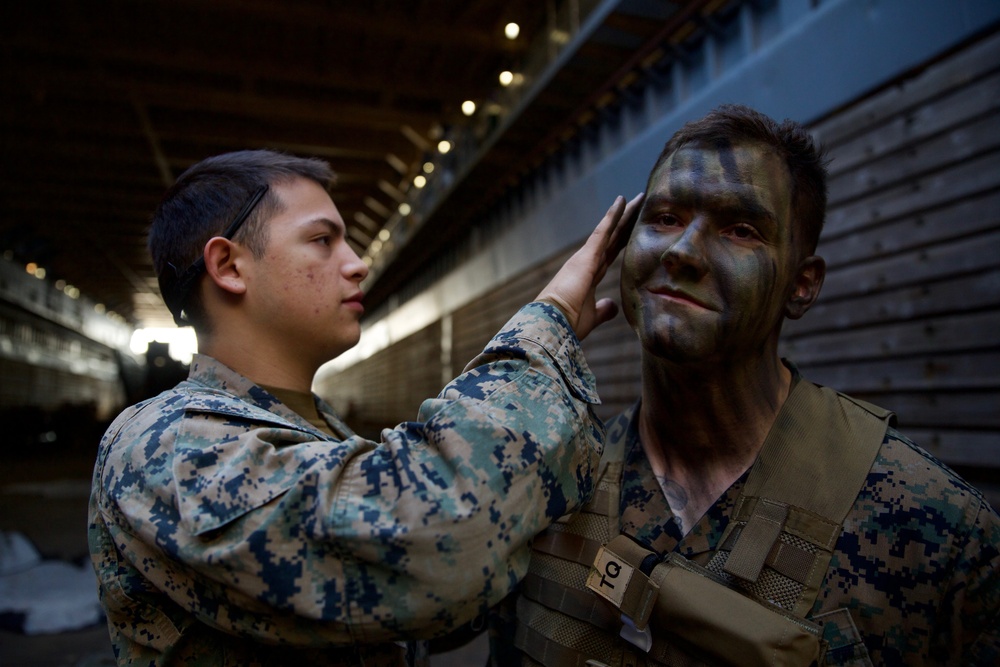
{"points": [[573, 289]]}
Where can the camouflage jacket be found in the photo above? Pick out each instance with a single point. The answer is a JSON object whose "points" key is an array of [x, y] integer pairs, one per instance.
{"points": [[225, 529], [917, 566]]}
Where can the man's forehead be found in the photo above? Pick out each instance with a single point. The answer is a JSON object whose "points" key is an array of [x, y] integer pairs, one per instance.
{"points": [[723, 161], [301, 196], [745, 177], [725, 167]]}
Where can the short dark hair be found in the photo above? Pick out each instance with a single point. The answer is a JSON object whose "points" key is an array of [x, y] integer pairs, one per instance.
{"points": [[206, 197], [736, 124]]}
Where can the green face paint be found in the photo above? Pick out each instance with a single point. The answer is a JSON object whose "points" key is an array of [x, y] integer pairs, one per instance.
{"points": [[711, 263]]}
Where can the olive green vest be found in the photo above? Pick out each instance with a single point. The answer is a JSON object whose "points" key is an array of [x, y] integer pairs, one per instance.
{"points": [[594, 597]]}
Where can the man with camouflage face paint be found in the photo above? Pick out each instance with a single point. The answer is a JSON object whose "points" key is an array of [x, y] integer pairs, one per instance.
{"points": [[743, 514], [236, 520]]}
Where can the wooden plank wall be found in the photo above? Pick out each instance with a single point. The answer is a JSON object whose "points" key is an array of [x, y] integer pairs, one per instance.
{"points": [[910, 312], [909, 317]]}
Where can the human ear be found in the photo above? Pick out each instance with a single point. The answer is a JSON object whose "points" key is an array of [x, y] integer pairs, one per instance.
{"points": [[222, 265], [808, 282]]}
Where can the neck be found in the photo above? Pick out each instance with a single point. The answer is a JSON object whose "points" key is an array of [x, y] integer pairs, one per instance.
{"points": [[259, 360], [712, 419], [701, 427]]}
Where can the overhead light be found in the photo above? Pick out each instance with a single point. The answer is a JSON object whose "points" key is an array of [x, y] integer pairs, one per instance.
{"points": [[428, 167], [444, 146], [468, 107], [506, 77], [404, 209], [419, 181], [384, 235], [512, 30]]}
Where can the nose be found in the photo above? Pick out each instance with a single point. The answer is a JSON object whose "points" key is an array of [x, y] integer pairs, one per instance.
{"points": [[353, 267], [686, 253]]}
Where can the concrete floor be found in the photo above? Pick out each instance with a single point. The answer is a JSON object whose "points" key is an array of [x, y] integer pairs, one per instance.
{"points": [[45, 498]]}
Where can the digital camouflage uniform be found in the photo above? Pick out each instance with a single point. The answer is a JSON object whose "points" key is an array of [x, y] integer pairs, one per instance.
{"points": [[225, 529], [915, 574]]}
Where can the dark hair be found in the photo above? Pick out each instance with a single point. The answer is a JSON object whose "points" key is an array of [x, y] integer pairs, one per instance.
{"points": [[740, 125], [206, 198]]}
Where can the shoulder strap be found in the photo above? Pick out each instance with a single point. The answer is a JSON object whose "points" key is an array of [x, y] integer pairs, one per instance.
{"points": [[828, 442], [809, 472]]}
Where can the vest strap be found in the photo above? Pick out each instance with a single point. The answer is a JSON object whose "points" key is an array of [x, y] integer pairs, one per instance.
{"points": [[568, 546], [601, 503], [578, 604], [786, 559], [544, 650], [818, 437], [757, 540]]}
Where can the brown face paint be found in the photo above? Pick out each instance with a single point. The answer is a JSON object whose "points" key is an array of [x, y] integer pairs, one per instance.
{"points": [[709, 199]]}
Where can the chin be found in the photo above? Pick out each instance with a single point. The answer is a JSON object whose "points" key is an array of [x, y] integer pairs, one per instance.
{"points": [[675, 350], [345, 345]]}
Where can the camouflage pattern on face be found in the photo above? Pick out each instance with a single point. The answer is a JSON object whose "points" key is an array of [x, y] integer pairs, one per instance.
{"points": [[222, 522], [711, 260]]}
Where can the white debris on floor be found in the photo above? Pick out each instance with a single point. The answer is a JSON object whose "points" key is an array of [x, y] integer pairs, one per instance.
{"points": [[44, 596]]}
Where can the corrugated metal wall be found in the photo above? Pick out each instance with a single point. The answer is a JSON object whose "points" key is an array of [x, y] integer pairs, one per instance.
{"points": [[908, 317]]}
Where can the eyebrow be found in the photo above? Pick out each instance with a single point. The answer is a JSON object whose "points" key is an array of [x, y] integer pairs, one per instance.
{"points": [[338, 228], [736, 206]]}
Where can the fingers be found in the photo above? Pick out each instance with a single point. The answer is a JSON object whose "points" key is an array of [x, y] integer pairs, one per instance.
{"points": [[616, 225], [572, 288], [606, 227], [623, 227]]}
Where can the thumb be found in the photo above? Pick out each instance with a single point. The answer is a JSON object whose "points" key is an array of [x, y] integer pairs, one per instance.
{"points": [[605, 310]]}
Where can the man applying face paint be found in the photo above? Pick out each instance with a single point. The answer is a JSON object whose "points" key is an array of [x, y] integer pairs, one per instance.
{"points": [[236, 519], [758, 517]]}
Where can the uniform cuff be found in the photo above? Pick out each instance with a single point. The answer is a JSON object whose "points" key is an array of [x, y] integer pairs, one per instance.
{"points": [[547, 327]]}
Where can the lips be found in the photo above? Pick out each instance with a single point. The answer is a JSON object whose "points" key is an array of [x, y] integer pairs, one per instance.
{"points": [[680, 295], [354, 301]]}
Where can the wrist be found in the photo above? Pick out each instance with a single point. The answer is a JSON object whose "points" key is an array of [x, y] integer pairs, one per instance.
{"points": [[568, 313]]}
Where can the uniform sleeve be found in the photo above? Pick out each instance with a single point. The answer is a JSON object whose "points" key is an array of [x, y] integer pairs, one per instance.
{"points": [[971, 611], [274, 535]]}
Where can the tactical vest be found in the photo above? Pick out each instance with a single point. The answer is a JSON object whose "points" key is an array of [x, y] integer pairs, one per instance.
{"points": [[594, 597]]}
